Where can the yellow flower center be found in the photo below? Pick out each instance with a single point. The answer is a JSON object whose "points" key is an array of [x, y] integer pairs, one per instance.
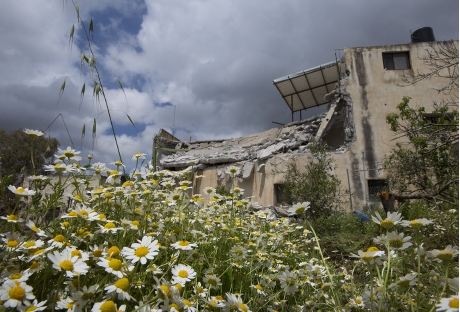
{"points": [[415, 224], [87, 296], [108, 306], [212, 281], [367, 257], [20, 190], [34, 228], [34, 265], [164, 290], [13, 218], [372, 249], [73, 214], [387, 224], [97, 253], [59, 238], [453, 303], [183, 243], [242, 307], [135, 222], [16, 276], [396, 243], [66, 265], [187, 303], [17, 293], [39, 252], [65, 224], [31, 308], [300, 210], [404, 283], [69, 154], [141, 251], [70, 305], [76, 253], [122, 283], [12, 243], [173, 305], [109, 225], [359, 301], [115, 264], [258, 287], [113, 251], [445, 255], [182, 274]]}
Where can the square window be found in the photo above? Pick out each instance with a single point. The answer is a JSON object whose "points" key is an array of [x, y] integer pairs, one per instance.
{"points": [[374, 187], [396, 61]]}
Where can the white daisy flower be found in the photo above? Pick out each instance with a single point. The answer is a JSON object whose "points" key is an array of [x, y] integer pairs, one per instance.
{"points": [[416, 223], [183, 245], [372, 253], [405, 281], [21, 191], [121, 287], [212, 281], [233, 171], [106, 306], [145, 249], [391, 220], [288, 281], [34, 306], [139, 155], [235, 302], [14, 294], [182, 274], [299, 209], [34, 133], [69, 153], [32, 244], [446, 254], [58, 167], [72, 265], [238, 252], [31, 225], [115, 266], [12, 218], [448, 304]]}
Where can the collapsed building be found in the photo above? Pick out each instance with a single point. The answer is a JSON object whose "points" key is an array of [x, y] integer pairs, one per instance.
{"points": [[359, 90]]}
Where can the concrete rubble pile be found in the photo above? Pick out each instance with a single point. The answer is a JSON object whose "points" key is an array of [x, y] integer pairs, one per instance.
{"points": [[243, 152]]}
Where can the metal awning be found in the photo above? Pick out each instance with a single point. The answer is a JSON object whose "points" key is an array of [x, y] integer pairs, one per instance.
{"points": [[308, 88]]}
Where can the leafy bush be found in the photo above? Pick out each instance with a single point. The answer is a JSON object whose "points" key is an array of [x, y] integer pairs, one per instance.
{"points": [[316, 184]]}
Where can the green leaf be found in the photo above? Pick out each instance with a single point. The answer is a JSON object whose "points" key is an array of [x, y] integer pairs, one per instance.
{"points": [[61, 91], [91, 27], [77, 9]]}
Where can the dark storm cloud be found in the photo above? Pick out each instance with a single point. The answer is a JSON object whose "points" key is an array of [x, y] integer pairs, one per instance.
{"points": [[214, 61]]}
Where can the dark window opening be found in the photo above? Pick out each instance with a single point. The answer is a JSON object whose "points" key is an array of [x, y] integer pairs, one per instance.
{"points": [[437, 118], [396, 61], [279, 194], [374, 187]]}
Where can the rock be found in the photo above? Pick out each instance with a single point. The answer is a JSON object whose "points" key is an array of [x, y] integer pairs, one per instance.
{"points": [[267, 152]]}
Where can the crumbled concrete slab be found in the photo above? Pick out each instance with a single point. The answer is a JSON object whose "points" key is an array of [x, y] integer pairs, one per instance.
{"points": [[247, 169], [256, 147], [267, 152]]}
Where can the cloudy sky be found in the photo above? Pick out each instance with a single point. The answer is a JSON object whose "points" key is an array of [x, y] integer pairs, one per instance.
{"points": [[211, 62]]}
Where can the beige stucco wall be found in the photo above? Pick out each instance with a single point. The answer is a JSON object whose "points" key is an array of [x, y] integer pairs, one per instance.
{"points": [[375, 93]]}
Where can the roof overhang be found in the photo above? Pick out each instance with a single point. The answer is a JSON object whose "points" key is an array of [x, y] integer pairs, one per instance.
{"points": [[309, 88]]}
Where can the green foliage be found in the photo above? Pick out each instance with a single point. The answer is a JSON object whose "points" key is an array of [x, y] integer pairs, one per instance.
{"points": [[15, 152], [425, 160], [316, 184]]}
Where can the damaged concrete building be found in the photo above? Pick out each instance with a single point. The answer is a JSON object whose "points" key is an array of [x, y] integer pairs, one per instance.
{"points": [[359, 90]]}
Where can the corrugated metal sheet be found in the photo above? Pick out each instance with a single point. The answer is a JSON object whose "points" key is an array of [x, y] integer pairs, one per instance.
{"points": [[308, 88]]}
